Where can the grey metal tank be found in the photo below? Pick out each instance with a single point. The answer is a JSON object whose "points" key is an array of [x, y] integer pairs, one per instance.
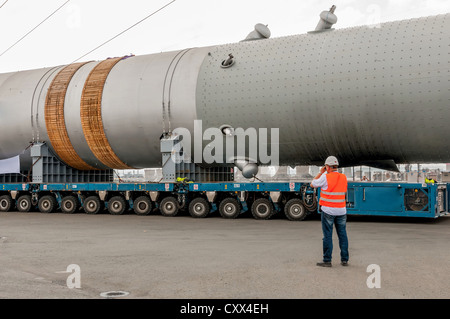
{"points": [[370, 95]]}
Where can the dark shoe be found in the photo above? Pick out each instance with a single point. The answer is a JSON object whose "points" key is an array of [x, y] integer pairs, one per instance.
{"points": [[324, 264], [344, 263]]}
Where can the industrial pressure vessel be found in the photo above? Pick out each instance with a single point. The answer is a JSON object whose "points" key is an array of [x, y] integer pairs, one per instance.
{"points": [[364, 94]]}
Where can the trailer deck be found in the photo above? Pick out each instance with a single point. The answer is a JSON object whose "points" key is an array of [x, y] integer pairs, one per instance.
{"points": [[263, 199]]}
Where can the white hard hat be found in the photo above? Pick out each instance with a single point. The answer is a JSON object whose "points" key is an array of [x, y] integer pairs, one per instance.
{"points": [[331, 161]]}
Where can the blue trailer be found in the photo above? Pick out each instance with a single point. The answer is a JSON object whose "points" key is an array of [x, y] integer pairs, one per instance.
{"points": [[398, 199], [295, 200], [53, 186]]}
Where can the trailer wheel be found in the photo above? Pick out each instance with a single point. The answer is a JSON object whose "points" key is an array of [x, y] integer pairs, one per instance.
{"points": [[229, 208], [5, 203], [199, 208], [91, 205], [295, 210], [24, 203], [47, 204], [262, 208], [142, 205], [69, 204], [169, 206], [116, 205]]}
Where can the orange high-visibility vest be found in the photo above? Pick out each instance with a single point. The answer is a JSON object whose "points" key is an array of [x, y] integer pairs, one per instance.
{"points": [[334, 196]]}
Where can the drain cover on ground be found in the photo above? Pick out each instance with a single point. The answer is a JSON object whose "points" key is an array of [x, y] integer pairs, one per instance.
{"points": [[114, 294]]}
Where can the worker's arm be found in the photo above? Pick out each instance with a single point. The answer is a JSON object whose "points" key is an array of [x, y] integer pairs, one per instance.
{"points": [[320, 180]]}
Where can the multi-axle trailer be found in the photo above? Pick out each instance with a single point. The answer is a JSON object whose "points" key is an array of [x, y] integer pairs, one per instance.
{"points": [[350, 92], [231, 199]]}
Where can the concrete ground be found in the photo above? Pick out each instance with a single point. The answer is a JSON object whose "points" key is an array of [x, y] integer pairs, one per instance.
{"points": [[183, 257]]}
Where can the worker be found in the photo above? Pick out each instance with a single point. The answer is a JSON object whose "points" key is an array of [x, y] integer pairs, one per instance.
{"points": [[332, 203], [430, 181]]}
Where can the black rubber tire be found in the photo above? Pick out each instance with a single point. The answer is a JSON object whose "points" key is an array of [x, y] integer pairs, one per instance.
{"points": [[262, 208], [24, 203], [92, 205], [6, 203], [169, 206], [142, 206], [69, 204], [229, 208], [295, 210], [199, 207], [116, 205], [47, 204]]}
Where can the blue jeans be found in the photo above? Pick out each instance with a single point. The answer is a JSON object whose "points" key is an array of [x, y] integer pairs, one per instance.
{"points": [[327, 228]]}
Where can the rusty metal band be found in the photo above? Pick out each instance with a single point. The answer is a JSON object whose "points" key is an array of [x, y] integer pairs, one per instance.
{"points": [[91, 115], [55, 121]]}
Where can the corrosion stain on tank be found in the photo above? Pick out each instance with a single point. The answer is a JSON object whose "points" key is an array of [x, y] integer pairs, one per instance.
{"points": [[91, 115], [55, 121]]}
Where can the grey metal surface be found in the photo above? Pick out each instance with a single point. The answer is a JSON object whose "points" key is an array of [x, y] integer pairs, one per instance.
{"points": [[361, 94], [48, 169], [72, 115], [172, 169], [132, 109], [16, 96], [37, 111]]}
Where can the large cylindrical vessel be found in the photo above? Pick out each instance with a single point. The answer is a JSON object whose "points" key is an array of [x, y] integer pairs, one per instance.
{"points": [[367, 93]]}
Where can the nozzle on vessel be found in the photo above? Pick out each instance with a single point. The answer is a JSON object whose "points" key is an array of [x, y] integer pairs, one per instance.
{"points": [[327, 19]]}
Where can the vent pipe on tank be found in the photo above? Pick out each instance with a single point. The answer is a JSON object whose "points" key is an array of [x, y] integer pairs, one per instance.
{"points": [[327, 19], [261, 32]]}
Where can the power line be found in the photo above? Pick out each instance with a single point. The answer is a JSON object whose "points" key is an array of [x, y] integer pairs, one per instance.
{"points": [[119, 34], [3, 4], [34, 27]]}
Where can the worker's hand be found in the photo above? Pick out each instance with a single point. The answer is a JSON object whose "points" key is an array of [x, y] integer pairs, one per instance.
{"points": [[323, 169]]}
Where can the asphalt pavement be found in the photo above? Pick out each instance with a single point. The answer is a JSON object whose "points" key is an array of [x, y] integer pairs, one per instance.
{"points": [[85, 256]]}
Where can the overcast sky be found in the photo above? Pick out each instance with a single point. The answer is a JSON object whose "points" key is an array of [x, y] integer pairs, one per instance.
{"points": [[82, 25]]}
